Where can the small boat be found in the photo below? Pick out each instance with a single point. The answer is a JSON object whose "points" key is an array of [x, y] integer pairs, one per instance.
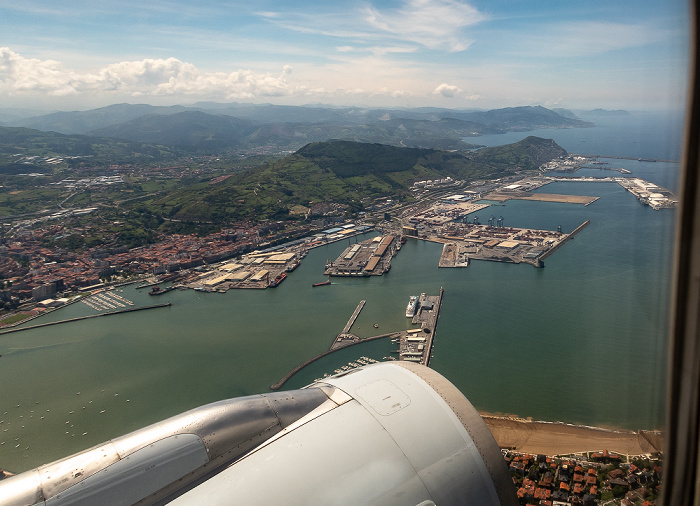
{"points": [[324, 283], [376, 325]]}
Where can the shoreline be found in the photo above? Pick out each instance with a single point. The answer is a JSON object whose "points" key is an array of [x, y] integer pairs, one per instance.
{"points": [[559, 438]]}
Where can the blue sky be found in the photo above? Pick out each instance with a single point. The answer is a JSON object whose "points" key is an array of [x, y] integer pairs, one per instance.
{"points": [[445, 53]]}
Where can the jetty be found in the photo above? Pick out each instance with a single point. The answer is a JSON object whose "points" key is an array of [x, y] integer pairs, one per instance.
{"points": [[345, 334], [110, 313]]}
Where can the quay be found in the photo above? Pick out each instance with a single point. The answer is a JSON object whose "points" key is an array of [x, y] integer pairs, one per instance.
{"points": [[468, 241], [122, 311]]}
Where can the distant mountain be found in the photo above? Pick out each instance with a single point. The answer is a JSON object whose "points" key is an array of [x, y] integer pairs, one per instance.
{"points": [[565, 112], [606, 112], [207, 126], [197, 130], [190, 129], [268, 113], [522, 119], [28, 142], [82, 122], [10, 115]]}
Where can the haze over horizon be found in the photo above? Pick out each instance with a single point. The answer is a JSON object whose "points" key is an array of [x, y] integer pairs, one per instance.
{"points": [[389, 53]]}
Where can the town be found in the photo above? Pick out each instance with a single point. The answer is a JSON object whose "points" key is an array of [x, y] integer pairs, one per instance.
{"points": [[592, 479]]}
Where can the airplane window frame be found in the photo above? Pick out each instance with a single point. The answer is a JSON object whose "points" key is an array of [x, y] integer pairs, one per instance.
{"points": [[681, 481]]}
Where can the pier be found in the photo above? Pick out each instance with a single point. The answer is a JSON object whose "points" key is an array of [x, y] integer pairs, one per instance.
{"points": [[130, 310], [345, 334], [416, 345]]}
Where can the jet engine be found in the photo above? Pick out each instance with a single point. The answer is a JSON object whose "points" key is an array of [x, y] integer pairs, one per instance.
{"points": [[387, 434]]}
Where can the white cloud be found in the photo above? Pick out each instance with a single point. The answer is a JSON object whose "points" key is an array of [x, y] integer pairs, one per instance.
{"points": [[447, 90], [437, 24], [23, 76], [151, 79]]}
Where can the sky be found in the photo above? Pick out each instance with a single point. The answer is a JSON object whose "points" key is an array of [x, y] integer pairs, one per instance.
{"points": [[81, 54]]}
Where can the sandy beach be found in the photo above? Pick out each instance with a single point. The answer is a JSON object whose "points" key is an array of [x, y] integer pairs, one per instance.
{"points": [[558, 438]]}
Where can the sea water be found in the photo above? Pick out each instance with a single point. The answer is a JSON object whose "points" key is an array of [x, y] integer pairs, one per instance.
{"points": [[582, 340]]}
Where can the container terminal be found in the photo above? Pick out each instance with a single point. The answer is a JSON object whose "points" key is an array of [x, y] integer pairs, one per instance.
{"points": [[367, 258], [463, 242]]}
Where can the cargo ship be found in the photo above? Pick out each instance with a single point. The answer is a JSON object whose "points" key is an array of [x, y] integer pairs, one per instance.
{"points": [[278, 279], [324, 283], [412, 306], [160, 291]]}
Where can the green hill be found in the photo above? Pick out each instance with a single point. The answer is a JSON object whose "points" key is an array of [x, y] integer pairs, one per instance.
{"points": [[342, 172]]}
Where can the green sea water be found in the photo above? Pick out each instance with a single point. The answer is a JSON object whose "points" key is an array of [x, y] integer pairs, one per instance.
{"points": [[582, 340]]}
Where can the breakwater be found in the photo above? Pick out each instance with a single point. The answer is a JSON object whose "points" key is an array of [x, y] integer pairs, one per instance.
{"points": [[286, 377], [567, 239], [111, 313]]}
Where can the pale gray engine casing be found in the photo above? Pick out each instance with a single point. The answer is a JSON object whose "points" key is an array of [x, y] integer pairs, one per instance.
{"points": [[390, 433]]}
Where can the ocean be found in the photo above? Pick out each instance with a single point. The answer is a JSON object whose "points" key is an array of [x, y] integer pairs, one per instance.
{"points": [[582, 340]]}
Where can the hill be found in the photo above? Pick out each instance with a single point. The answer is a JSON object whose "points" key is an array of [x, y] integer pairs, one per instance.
{"points": [[342, 172]]}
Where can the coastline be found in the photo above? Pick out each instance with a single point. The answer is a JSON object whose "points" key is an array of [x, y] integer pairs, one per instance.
{"points": [[559, 438]]}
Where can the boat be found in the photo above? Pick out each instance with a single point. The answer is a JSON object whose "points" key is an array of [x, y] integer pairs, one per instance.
{"points": [[279, 279], [412, 306], [156, 290], [324, 283], [376, 325]]}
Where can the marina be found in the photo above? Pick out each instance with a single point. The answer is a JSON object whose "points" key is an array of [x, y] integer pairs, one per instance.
{"points": [[105, 300]]}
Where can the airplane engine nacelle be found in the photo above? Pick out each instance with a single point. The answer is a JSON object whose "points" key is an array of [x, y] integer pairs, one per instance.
{"points": [[390, 433]]}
